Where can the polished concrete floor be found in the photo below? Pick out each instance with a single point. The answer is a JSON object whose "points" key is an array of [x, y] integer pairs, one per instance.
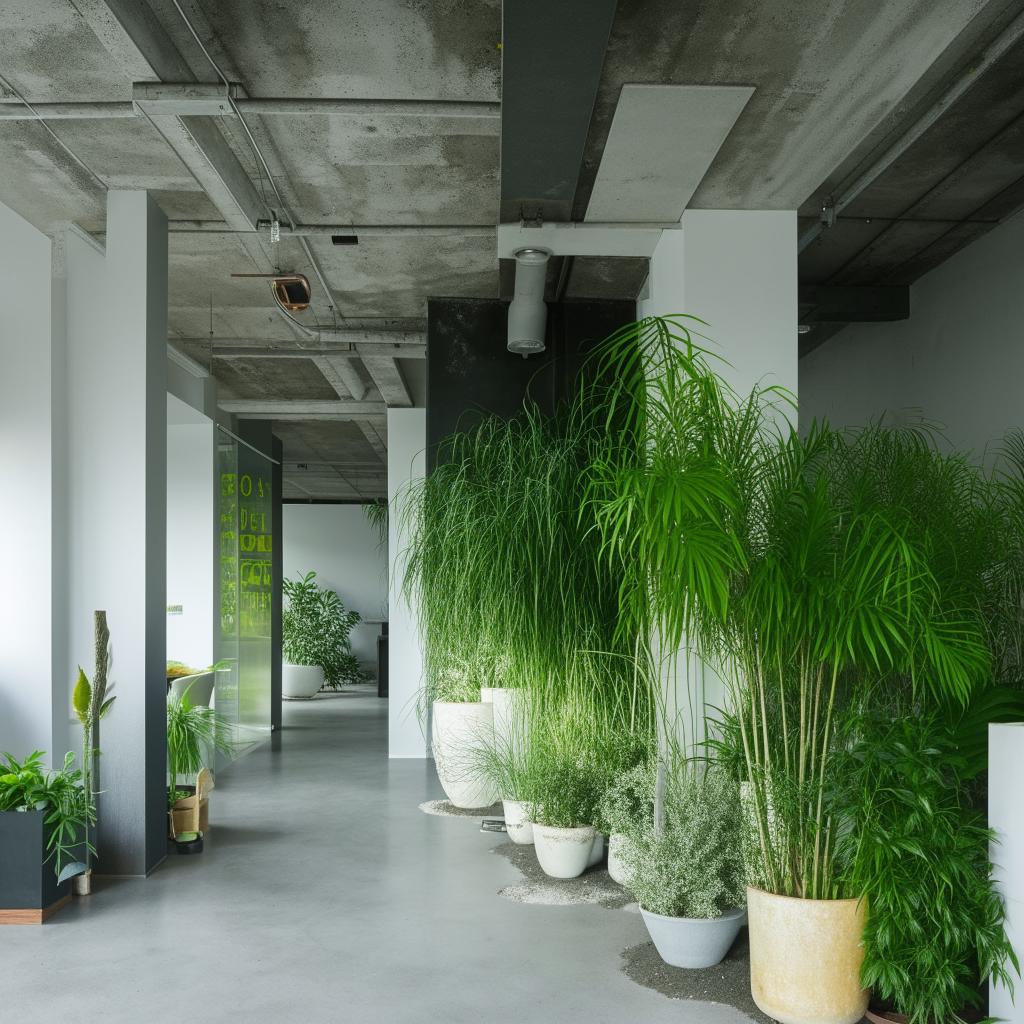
{"points": [[325, 895]]}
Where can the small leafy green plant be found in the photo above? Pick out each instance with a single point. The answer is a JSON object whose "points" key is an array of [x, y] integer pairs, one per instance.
{"points": [[692, 865], [627, 807], [919, 855], [61, 796], [316, 628], [193, 732]]}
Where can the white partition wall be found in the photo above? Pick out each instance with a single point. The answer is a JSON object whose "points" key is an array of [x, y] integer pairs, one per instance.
{"points": [[191, 520], [407, 439], [1006, 819], [29, 401]]}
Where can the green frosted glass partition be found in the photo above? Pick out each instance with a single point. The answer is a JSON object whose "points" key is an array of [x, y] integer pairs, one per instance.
{"points": [[245, 538]]}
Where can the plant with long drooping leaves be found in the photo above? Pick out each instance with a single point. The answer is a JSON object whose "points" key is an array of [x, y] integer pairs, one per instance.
{"points": [[194, 733], [729, 539]]}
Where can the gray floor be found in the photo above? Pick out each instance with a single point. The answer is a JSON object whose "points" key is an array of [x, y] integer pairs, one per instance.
{"points": [[325, 895]]}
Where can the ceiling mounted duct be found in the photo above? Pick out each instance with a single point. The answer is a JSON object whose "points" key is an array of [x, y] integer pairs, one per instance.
{"points": [[291, 291], [527, 315]]}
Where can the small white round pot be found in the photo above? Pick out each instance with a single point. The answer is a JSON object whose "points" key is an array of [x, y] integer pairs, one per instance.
{"points": [[459, 731], [563, 852], [805, 958], [517, 824], [596, 850], [301, 680], [617, 846], [693, 942]]}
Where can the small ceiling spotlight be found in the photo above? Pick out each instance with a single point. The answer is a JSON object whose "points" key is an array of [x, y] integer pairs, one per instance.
{"points": [[291, 291]]}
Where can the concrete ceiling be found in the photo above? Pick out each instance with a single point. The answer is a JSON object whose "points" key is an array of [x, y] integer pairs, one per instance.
{"points": [[834, 84]]}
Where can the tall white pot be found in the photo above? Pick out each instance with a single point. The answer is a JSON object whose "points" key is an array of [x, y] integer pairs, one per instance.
{"points": [[459, 730], [509, 716]]}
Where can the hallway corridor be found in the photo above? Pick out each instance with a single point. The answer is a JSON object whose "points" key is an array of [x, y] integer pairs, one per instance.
{"points": [[325, 895]]}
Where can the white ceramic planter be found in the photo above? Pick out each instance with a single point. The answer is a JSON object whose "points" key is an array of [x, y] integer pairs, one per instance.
{"points": [[693, 942], [517, 824], [596, 850], [459, 730], [617, 843], [509, 716], [301, 680], [805, 958], [563, 852]]}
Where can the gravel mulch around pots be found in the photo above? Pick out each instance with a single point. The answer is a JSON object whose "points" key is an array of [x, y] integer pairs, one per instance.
{"points": [[727, 983], [594, 886], [446, 809]]}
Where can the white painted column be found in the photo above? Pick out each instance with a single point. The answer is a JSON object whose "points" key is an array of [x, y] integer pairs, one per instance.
{"points": [[117, 424], [737, 271], [407, 441], [1006, 819], [28, 405]]}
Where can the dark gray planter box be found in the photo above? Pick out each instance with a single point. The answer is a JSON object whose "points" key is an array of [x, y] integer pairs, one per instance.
{"points": [[29, 892]]}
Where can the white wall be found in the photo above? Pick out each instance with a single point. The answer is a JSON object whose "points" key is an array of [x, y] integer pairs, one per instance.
{"points": [[407, 440], [958, 360], [190, 534], [27, 406], [340, 545]]}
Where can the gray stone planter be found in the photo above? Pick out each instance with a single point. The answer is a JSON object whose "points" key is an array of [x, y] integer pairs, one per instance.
{"points": [[693, 941]]}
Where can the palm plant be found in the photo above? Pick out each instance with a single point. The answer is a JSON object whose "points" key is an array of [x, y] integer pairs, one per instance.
{"points": [[729, 537]]}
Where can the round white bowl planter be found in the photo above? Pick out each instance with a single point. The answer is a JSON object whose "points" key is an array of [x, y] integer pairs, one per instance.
{"points": [[459, 729], [301, 681], [517, 824], [563, 852], [693, 942], [805, 958], [596, 850], [617, 843]]}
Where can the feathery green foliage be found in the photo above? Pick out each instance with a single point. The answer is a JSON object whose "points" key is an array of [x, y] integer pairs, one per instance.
{"points": [[194, 733]]}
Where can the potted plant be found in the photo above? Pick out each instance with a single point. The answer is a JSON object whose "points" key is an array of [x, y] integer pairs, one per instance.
{"points": [[626, 811], [919, 854], [194, 733], [801, 587], [687, 872], [315, 639], [44, 821]]}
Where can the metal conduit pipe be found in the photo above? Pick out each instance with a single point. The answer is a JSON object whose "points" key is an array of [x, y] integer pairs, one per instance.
{"points": [[992, 53], [12, 109]]}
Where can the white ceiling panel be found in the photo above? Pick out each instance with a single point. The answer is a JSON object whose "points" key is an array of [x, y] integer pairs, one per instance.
{"points": [[661, 144]]}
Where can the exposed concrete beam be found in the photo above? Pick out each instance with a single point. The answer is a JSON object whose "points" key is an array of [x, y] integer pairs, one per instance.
{"points": [[375, 438], [138, 42], [355, 352], [290, 408], [852, 304], [342, 376], [576, 239], [389, 380], [216, 227]]}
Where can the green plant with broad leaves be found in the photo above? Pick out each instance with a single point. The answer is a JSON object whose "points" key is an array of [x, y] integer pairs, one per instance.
{"points": [[194, 734], [691, 863], [920, 853], [62, 798], [316, 628]]}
